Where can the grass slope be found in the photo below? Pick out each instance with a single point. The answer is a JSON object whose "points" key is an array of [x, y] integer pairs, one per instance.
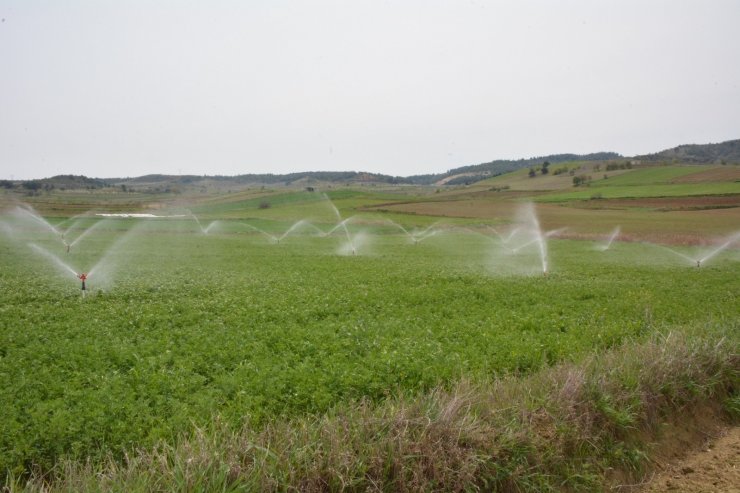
{"points": [[649, 176], [640, 191]]}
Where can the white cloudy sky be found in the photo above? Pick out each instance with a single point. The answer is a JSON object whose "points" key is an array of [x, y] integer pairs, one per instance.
{"points": [[124, 88]]}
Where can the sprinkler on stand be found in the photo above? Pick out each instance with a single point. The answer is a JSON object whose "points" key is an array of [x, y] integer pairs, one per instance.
{"points": [[698, 264], [83, 278]]}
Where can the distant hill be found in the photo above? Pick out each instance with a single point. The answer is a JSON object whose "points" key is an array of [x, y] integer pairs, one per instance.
{"points": [[725, 152], [74, 181], [59, 182], [477, 172], [466, 174], [722, 153], [268, 179]]}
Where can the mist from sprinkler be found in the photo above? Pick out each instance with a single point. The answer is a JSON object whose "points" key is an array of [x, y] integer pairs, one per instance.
{"points": [[724, 246], [197, 221], [403, 230], [84, 234], [28, 212], [527, 233], [495, 232], [530, 230], [59, 263], [419, 236], [298, 226], [342, 224], [613, 236], [97, 271], [211, 226], [74, 220], [699, 261]]}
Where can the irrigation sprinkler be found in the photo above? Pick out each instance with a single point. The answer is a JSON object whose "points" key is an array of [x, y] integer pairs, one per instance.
{"points": [[83, 278]]}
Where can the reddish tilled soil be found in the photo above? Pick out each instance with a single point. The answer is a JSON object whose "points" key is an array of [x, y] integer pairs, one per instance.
{"points": [[725, 173], [664, 204]]}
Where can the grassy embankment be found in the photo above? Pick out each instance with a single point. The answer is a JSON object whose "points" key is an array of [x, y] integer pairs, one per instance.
{"points": [[574, 427]]}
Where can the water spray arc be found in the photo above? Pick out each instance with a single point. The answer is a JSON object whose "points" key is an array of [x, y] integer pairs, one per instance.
{"points": [[297, 226], [28, 212], [74, 220], [478, 233], [342, 224], [70, 272], [197, 221], [732, 239], [217, 225], [525, 233], [403, 230], [85, 233], [530, 232], [271, 237], [59, 263], [419, 236], [541, 243], [495, 232], [211, 226], [699, 261], [512, 233], [612, 237], [105, 259]]}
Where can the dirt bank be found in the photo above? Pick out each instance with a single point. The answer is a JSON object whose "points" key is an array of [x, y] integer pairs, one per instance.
{"points": [[712, 467]]}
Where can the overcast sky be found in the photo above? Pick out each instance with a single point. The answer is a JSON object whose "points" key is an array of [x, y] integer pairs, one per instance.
{"points": [[125, 88]]}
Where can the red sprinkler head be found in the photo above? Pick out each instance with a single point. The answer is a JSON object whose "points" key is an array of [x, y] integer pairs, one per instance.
{"points": [[82, 276]]}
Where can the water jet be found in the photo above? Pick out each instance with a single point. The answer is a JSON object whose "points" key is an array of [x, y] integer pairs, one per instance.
{"points": [[297, 226], [342, 224], [612, 237], [531, 232]]}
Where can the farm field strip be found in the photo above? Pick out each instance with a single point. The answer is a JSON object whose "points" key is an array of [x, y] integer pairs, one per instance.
{"points": [[642, 191], [652, 175]]}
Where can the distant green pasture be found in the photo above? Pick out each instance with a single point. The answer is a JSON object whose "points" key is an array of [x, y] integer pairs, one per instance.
{"points": [[647, 176]]}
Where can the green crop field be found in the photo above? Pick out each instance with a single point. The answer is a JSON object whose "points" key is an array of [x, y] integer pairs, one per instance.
{"points": [[231, 311], [179, 327]]}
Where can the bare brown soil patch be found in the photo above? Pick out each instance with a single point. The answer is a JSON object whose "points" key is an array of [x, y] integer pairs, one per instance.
{"points": [[714, 466], [724, 173], [465, 208], [677, 227]]}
